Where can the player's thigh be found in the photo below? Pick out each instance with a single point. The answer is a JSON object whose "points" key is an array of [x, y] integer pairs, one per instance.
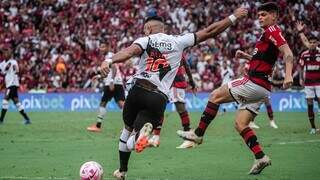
{"points": [[106, 95], [119, 94], [13, 94], [310, 92], [130, 111], [221, 95], [245, 91]]}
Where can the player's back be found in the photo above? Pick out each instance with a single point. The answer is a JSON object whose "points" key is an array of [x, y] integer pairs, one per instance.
{"points": [[9, 69], [161, 57]]}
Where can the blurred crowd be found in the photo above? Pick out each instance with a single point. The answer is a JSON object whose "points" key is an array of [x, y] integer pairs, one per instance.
{"points": [[56, 42]]}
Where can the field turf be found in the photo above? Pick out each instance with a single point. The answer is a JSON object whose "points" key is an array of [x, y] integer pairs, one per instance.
{"points": [[56, 144]]}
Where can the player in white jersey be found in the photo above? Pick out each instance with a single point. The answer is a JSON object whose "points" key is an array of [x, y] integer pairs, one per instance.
{"points": [[160, 56], [113, 88], [10, 69]]}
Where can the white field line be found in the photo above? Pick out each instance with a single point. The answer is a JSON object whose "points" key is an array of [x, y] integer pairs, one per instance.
{"points": [[300, 142]]}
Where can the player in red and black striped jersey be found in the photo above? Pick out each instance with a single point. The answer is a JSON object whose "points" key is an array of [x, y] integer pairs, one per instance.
{"points": [[266, 102], [253, 88], [177, 96], [310, 78]]}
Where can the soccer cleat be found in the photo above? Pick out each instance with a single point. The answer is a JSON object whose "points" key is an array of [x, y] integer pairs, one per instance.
{"points": [[253, 125], [259, 165], [187, 144], [190, 135], [313, 131], [273, 124], [27, 121], [154, 141], [93, 128], [143, 139], [119, 175]]}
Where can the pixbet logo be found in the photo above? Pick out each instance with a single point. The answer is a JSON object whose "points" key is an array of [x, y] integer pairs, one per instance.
{"points": [[84, 103], [43, 103], [292, 103]]}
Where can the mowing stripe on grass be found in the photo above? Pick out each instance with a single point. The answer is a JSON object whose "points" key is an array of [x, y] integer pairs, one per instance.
{"points": [[300, 142]]}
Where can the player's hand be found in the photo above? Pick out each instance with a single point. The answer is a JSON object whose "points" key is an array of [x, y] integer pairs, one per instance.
{"points": [[239, 54], [301, 82], [96, 77], [105, 68], [111, 86], [300, 26], [240, 12], [287, 83]]}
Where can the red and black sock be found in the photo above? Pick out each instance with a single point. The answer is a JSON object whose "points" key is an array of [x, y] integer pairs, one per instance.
{"points": [[270, 111], [185, 120], [311, 115], [207, 116], [157, 130], [251, 140]]}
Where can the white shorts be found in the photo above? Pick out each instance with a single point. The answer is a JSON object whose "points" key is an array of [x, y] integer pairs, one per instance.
{"points": [[177, 95], [247, 94], [312, 91]]}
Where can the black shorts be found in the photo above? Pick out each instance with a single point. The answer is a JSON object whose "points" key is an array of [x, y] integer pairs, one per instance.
{"points": [[12, 92], [117, 93], [142, 106]]}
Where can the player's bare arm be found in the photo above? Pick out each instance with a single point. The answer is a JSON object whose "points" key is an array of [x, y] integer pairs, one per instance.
{"points": [[243, 55], [218, 27], [300, 26], [189, 74], [121, 56], [288, 58]]}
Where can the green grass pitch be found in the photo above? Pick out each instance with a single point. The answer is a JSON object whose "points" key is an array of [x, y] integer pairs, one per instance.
{"points": [[56, 144]]}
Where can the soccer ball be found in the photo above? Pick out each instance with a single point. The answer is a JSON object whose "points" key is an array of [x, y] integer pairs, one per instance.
{"points": [[91, 170]]}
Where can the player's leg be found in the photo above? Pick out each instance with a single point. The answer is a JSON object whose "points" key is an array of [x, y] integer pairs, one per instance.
{"points": [[244, 116], [310, 95], [154, 107], [318, 98], [119, 95], [106, 97], [270, 113], [154, 141], [19, 106], [217, 97], [311, 115], [129, 113], [5, 105], [185, 122]]}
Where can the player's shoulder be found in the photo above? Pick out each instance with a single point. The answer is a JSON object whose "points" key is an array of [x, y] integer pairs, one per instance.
{"points": [[273, 29], [305, 52]]}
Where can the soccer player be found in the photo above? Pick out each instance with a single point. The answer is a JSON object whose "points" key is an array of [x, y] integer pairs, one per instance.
{"points": [[252, 124], [300, 26], [10, 69], [310, 77], [250, 90], [113, 88], [160, 56], [177, 96]]}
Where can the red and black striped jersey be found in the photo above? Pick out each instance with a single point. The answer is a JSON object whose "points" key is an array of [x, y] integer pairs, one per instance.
{"points": [[265, 55], [180, 80], [310, 61]]}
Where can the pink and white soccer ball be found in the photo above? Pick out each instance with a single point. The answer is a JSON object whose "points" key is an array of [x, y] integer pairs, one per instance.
{"points": [[91, 170]]}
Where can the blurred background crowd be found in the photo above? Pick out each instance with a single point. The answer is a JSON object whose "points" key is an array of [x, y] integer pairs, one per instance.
{"points": [[56, 42]]}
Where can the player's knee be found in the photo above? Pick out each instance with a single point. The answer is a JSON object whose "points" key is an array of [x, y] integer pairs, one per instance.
{"points": [[5, 104], [19, 106], [239, 126], [214, 97], [103, 104]]}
